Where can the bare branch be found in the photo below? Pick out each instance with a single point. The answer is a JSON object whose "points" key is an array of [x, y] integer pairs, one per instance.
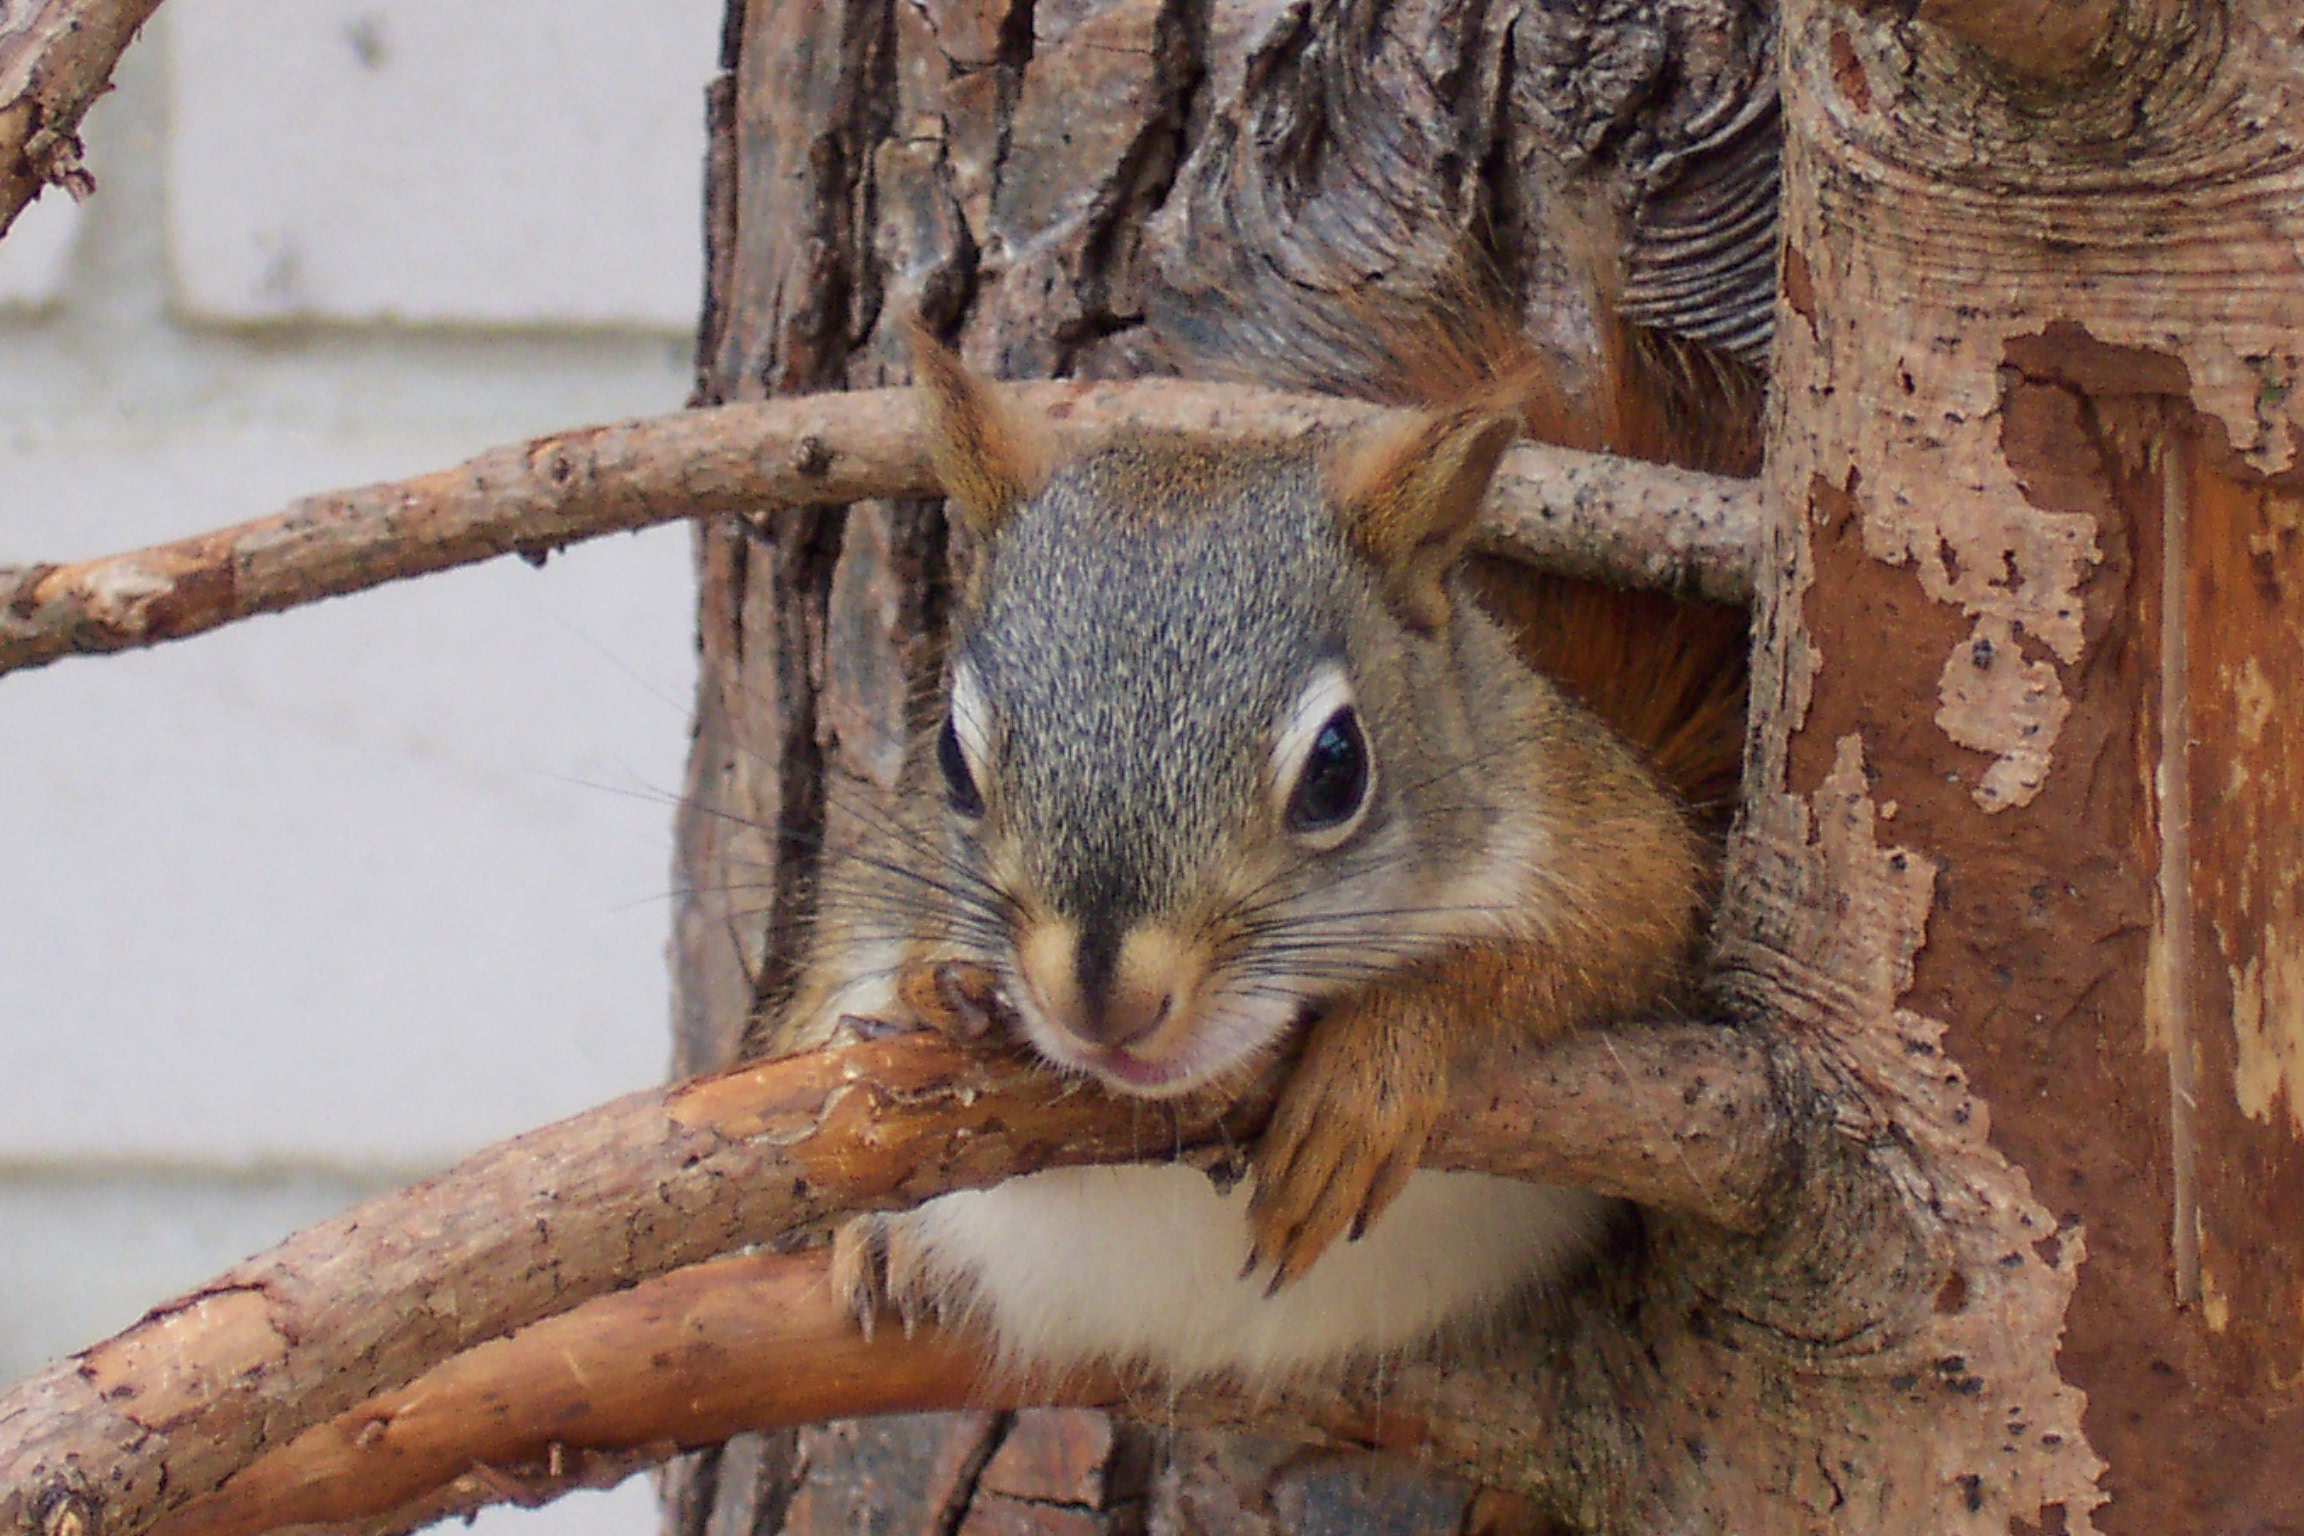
{"points": [[56, 58], [1684, 1118], [627, 1380], [1581, 514]]}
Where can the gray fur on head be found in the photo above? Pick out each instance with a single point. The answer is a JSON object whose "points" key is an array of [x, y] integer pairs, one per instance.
{"points": [[1141, 627]]}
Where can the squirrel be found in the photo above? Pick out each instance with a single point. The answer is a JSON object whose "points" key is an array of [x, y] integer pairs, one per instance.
{"points": [[1231, 761]]}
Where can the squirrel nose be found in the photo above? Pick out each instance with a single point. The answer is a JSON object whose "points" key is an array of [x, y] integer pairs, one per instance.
{"points": [[1124, 1014], [1104, 987]]}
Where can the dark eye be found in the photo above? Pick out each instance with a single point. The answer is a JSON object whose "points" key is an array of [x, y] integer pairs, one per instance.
{"points": [[960, 790], [1335, 777]]}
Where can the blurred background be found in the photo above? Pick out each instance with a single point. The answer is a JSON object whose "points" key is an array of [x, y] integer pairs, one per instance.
{"points": [[321, 902]]}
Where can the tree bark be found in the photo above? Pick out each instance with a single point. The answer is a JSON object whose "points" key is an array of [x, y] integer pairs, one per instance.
{"points": [[1100, 191], [2033, 494], [2016, 870], [56, 58]]}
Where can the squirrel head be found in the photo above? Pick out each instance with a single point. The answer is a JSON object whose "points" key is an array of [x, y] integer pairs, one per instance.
{"points": [[1207, 758]]}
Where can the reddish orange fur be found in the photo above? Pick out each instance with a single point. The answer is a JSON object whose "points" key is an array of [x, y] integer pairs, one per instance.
{"points": [[989, 458], [1410, 495], [1666, 676]]}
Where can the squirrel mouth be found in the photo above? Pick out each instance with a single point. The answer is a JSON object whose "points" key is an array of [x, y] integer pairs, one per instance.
{"points": [[1117, 1066]]}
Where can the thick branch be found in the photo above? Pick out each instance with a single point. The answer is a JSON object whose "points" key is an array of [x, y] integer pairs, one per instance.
{"points": [[1683, 1118], [55, 59], [718, 1349], [1581, 514]]}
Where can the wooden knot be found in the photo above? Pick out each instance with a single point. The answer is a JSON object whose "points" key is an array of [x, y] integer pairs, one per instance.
{"points": [[812, 457], [64, 1510]]}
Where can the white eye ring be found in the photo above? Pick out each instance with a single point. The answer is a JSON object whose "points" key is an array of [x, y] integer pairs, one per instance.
{"points": [[971, 723], [1326, 692]]}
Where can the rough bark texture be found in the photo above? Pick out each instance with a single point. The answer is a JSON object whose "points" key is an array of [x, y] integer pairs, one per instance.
{"points": [[1103, 190], [56, 58], [551, 1306], [1577, 514], [2016, 876], [2033, 472], [163, 1412]]}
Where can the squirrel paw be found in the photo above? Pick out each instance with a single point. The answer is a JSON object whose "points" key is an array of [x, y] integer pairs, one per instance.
{"points": [[959, 999], [878, 1266], [1351, 1126]]}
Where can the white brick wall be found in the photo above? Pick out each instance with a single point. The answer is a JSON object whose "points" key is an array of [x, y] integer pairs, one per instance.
{"points": [[33, 257], [325, 900], [528, 162]]}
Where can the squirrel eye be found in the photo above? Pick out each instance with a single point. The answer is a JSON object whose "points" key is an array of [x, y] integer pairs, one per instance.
{"points": [[960, 791], [1334, 780]]}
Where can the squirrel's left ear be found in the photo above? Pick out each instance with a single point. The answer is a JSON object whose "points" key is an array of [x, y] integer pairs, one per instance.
{"points": [[1407, 492], [990, 456]]}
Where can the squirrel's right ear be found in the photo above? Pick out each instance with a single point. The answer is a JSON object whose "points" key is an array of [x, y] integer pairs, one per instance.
{"points": [[990, 456], [1407, 492]]}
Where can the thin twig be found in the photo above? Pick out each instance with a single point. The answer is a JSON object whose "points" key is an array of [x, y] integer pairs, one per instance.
{"points": [[1582, 514]]}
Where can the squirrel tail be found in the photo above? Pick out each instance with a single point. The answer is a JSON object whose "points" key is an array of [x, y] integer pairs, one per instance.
{"points": [[1667, 676]]}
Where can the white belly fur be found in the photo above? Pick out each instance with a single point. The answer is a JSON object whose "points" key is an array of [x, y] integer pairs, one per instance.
{"points": [[1142, 1265]]}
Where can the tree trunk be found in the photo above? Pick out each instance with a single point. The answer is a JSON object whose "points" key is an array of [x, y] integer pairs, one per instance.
{"points": [[2035, 499], [2019, 758], [1064, 184]]}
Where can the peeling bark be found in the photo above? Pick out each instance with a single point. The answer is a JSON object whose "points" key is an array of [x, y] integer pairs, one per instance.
{"points": [[437, 1281], [1109, 190], [2032, 327], [2041, 289]]}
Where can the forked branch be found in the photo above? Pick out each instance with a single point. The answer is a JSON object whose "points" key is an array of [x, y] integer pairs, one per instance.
{"points": [[1683, 1118]]}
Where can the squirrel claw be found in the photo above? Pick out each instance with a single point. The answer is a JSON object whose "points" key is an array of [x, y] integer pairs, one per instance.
{"points": [[860, 1270], [959, 999], [877, 1268], [1351, 1126]]}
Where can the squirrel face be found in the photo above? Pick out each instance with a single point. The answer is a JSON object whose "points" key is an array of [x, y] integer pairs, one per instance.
{"points": [[1157, 755], [1194, 756]]}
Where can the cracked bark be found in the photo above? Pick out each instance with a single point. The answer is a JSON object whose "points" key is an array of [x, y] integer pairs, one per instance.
{"points": [[1103, 191], [2041, 306]]}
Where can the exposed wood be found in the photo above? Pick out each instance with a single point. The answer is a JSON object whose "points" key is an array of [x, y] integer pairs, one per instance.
{"points": [[2026, 324], [56, 58], [737, 1344], [690, 1358], [2047, 40], [1581, 514], [1682, 1118]]}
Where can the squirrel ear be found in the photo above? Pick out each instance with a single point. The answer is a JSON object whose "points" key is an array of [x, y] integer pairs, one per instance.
{"points": [[1407, 492], [990, 456]]}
